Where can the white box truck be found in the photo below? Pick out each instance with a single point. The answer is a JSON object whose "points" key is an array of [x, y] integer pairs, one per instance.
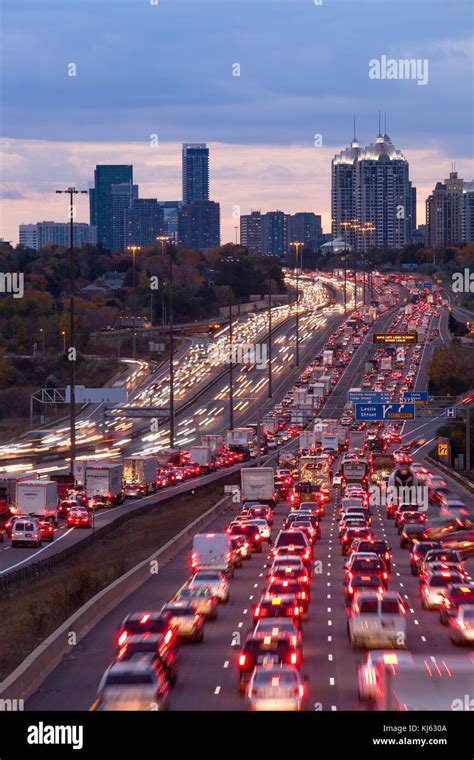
{"points": [[307, 440], [139, 475], [8, 486], [39, 497], [238, 440], [330, 443], [299, 396], [215, 442], [328, 358], [386, 364], [326, 380], [318, 390], [104, 483], [204, 457], [258, 485], [212, 551], [356, 442], [270, 425]]}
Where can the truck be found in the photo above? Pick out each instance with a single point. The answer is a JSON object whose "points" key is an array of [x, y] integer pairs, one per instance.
{"points": [[38, 497], [168, 457], [299, 396], [330, 443], [8, 485], [328, 358], [270, 425], [66, 482], [326, 380], [258, 485], [356, 441], [341, 432], [139, 475], [104, 483], [318, 390], [238, 440], [80, 470], [386, 364], [441, 683], [297, 417], [212, 551], [204, 457], [307, 440], [215, 443]]}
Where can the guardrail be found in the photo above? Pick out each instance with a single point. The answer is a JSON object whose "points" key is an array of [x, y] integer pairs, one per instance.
{"points": [[29, 676], [452, 473]]}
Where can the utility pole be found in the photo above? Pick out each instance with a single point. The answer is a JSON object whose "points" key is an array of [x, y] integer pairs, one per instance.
{"points": [[170, 250], [71, 191], [468, 439], [297, 245], [231, 379], [134, 249], [345, 225]]}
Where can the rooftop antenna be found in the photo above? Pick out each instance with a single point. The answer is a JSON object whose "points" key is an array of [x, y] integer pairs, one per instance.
{"points": [[355, 138], [385, 122], [379, 120]]}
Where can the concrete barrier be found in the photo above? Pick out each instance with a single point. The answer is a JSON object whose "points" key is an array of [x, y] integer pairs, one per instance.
{"points": [[452, 474], [29, 676]]}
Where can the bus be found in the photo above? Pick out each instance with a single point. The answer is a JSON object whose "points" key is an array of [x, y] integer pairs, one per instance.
{"points": [[317, 471], [355, 470], [380, 465]]}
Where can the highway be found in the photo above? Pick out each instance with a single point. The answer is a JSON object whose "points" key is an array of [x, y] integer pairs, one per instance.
{"points": [[207, 674]]}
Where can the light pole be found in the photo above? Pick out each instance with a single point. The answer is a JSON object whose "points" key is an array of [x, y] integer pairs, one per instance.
{"points": [[269, 334], [134, 249], [42, 336], [297, 245], [63, 333], [345, 225], [231, 378], [71, 191], [161, 239]]}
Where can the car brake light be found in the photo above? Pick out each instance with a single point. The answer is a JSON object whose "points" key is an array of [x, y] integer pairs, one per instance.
{"points": [[168, 637], [242, 660], [294, 658], [122, 638], [145, 618]]}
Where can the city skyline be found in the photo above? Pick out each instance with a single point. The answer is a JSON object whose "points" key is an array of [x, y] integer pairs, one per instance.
{"points": [[258, 98]]}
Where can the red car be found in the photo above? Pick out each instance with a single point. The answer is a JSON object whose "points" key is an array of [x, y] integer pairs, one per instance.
{"points": [[79, 517], [46, 529]]}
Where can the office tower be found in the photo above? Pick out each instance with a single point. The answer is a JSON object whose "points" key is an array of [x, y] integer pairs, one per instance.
{"points": [[251, 231], [195, 172], [275, 233], [305, 227], [411, 212], [371, 193], [28, 236], [122, 196], [41, 234], [100, 198], [199, 225], [468, 195], [171, 216], [144, 221], [445, 211]]}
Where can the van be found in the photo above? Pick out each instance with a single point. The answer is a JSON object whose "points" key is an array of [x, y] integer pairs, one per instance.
{"points": [[212, 551], [26, 532], [377, 621]]}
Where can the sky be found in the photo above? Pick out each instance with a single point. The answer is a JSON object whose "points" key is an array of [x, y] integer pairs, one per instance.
{"points": [[151, 74]]}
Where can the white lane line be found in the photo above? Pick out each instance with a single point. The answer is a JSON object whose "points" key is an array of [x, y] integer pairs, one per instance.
{"points": [[330, 657], [423, 638], [240, 625], [226, 664], [245, 611], [217, 690], [332, 682], [329, 622], [35, 554], [416, 622], [334, 708], [329, 638], [251, 597], [329, 609]]}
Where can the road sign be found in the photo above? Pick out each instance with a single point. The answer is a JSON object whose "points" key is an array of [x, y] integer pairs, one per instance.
{"points": [[85, 395], [401, 339], [427, 285], [359, 397], [384, 412], [442, 449], [451, 412], [417, 397]]}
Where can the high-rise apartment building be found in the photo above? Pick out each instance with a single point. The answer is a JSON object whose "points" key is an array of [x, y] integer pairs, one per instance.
{"points": [[275, 233], [144, 222], [122, 197], [41, 234], [251, 231], [305, 227], [199, 225], [100, 198], [195, 172], [448, 212]]}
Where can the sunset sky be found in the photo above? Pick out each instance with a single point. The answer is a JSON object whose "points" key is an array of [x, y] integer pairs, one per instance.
{"points": [[167, 69]]}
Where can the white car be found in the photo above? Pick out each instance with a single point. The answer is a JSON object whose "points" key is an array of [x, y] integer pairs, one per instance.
{"points": [[370, 670], [337, 479], [216, 581], [262, 525], [276, 687], [187, 623], [133, 686], [461, 625]]}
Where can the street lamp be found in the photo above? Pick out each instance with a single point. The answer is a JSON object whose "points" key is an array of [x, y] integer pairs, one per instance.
{"points": [[71, 191], [161, 239], [170, 285], [297, 245], [63, 333], [42, 336], [345, 225], [134, 249], [269, 334]]}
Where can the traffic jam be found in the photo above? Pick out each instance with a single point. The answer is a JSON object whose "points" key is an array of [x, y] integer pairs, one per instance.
{"points": [[349, 545]]}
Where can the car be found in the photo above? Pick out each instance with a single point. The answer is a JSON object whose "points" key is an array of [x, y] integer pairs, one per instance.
{"points": [[412, 533], [351, 534], [201, 597], [185, 621], [261, 511], [307, 528], [25, 531], [133, 685], [410, 518], [292, 541], [436, 567], [401, 509], [283, 605], [79, 517], [377, 620], [362, 582], [276, 687], [215, 580], [150, 644], [366, 565], [263, 527], [461, 541], [434, 587], [250, 532], [240, 548], [454, 596], [137, 623], [274, 646], [374, 546], [337, 479], [286, 586], [280, 627], [461, 625], [66, 505], [46, 527], [370, 670], [418, 553]]}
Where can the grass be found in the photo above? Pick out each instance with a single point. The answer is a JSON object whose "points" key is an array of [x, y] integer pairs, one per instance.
{"points": [[38, 606]]}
